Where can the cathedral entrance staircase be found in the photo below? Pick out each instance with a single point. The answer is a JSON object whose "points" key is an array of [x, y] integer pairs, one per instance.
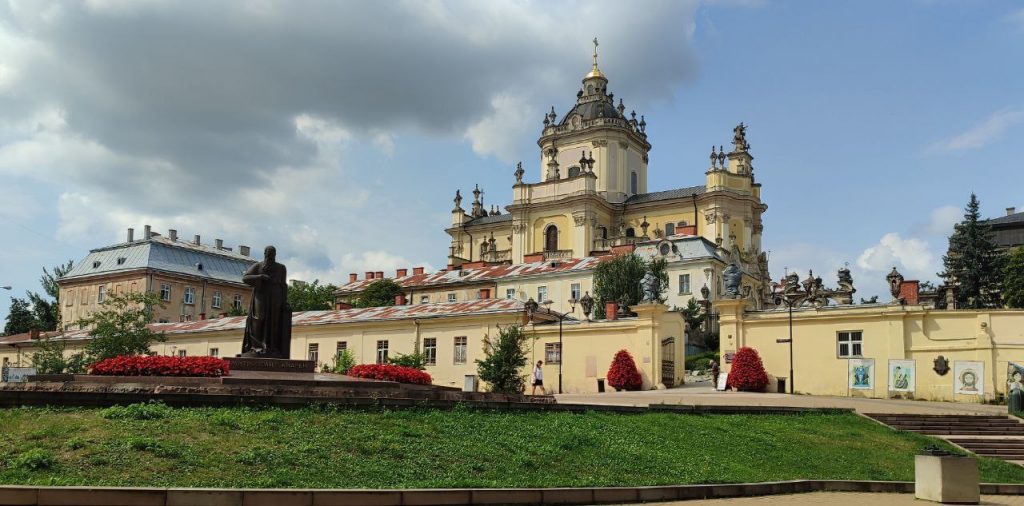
{"points": [[998, 437]]}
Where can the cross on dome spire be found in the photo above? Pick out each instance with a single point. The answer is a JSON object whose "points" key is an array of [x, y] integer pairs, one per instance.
{"points": [[595, 72]]}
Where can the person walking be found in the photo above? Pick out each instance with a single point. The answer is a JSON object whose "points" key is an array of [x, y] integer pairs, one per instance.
{"points": [[714, 373], [538, 379]]}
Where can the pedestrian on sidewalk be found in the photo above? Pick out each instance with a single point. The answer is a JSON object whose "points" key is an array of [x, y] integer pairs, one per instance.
{"points": [[714, 373], [538, 379]]}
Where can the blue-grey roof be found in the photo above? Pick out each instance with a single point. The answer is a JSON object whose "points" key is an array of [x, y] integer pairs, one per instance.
{"points": [[1010, 219], [666, 195], [684, 248], [162, 254], [483, 220]]}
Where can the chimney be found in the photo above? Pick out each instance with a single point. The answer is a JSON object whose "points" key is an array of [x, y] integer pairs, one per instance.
{"points": [[131, 234], [910, 290], [400, 299], [202, 316], [173, 234], [33, 334], [147, 233], [219, 243], [417, 271], [243, 250], [353, 277], [401, 273], [379, 275], [195, 240], [369, 275], [1011, 210]]}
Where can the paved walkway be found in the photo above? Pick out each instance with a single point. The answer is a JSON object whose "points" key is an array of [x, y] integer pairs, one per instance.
{"points": [[703, 394], [838, 499]]}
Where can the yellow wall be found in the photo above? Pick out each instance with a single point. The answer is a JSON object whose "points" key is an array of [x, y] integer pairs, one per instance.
{"points": [[588, 346], [889, 333], [565, 233]]}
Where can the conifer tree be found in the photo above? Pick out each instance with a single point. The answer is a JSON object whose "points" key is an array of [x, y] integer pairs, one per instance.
{"points": [[973, 265], [1013, 279], [19, 318]]}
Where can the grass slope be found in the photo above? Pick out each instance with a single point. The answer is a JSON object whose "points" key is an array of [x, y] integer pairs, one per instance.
{"points": [[153, 445]]}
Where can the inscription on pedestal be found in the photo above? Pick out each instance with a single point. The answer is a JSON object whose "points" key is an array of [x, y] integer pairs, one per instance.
{"points": [[271, 364]]}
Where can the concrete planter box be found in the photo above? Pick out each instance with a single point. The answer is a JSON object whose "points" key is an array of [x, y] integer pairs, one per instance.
{"points": [[946, 479]]}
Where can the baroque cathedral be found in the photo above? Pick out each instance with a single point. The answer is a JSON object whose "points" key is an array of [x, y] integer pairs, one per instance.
{"points": [[591, 198]]}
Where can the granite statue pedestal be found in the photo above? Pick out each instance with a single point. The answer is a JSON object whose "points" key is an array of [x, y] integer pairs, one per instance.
{"points": [[946, 479], [270, 364]]}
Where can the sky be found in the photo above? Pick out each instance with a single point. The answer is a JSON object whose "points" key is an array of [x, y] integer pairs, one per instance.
{"points": [[339, 131]]}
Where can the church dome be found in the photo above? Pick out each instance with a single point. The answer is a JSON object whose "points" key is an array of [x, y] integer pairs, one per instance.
{"points": [[592, 110]]}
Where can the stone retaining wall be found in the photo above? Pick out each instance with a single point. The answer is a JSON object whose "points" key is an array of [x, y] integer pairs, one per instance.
{"points": [[109, 496]]}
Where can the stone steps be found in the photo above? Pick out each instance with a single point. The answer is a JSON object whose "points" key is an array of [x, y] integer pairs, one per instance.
{"points": [[999, 437]]}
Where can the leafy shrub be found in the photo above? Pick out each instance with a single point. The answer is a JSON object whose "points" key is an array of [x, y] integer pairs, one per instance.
{"points": [[747, 373], [160, 365], [52, 359], [343, 361], [75, 443], [140, 411], [700, 361], [389, 372], [504, 359], [414, 360], [623, 374], [34, 459]]}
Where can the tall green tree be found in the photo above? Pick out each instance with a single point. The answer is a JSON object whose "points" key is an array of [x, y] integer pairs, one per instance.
{"points": [[1013, 279], [119, 327], [504, 360], [618, 279], [19, 318], [46, 306], [311, 296], [973, 264], [379, 293]]}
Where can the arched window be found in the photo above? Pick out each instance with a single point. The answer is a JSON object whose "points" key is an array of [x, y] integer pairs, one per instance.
{"points": [[670, 229], [633, 183], [603, 231], [551, 238]]}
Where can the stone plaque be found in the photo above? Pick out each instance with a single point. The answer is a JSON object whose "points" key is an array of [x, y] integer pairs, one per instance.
{"points": [[271, 364]]}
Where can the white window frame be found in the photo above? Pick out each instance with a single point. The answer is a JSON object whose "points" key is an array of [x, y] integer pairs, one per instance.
{"points": [[460, 345], [542, 294], [575, 291], [165, 292], [190, 296], [313, 352], [424, 299], [382, 351], [340, 346], [182, 353], [215, 302], [851, 339], [451, 297], [553, 353], [214, 352], [101, 294], [510, 293], [237, 302], [681, 278], [430, 351]]}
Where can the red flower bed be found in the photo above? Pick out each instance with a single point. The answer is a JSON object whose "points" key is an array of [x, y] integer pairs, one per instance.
{"points": [[623, 374], [747, 373], [160, 365], [389, 372]]}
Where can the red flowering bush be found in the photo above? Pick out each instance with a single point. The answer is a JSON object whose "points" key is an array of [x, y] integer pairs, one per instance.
{"points": [[747, 373], [390, 372], [623, 374], [160, 365]]}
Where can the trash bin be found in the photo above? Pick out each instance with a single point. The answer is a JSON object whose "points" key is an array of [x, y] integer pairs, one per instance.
{"points": [[600, 385], [470, 383], [780, 385], [1015, 401]]}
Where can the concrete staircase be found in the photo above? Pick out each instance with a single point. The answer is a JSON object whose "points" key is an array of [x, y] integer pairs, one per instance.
{"points": [[999, 437]]}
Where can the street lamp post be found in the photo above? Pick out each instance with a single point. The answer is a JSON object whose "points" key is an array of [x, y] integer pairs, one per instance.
{"points": [[790, 297], [561, 317]]}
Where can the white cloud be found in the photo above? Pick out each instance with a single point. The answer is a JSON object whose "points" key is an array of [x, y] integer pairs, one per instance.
{"points": [[983, 133], [910, 254], [943, 219], [500, 132]]}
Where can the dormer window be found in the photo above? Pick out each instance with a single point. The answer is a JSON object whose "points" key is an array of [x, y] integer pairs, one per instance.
{"points": [[199, 266], [96, 264], [121, 260]]}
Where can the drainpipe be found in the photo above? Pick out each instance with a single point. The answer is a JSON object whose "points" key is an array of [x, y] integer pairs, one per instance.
{"points": [[696, 219], [416, 341]]}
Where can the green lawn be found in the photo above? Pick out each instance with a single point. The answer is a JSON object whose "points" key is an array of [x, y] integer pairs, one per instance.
{"points": [[152, 445]]}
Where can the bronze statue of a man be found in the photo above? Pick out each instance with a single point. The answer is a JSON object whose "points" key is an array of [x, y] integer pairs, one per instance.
{"points": [[268, 328]]}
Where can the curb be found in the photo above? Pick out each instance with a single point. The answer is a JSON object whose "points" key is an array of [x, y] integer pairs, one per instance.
{"points": [[115, 496]]}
